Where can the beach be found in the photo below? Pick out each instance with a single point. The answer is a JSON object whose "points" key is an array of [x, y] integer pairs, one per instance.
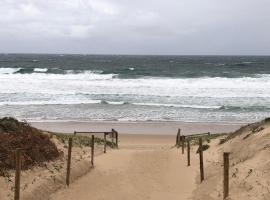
{"points": [[148, 166], [151, 167], [147, 128], [147, 100], [134, 100], [144, 167]]}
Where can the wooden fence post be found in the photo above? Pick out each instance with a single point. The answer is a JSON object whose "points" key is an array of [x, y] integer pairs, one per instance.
{"points": [[188, 152], [112, 134], [183, 144], [116, 139], [177, 138], [17, 174], [75, 133], [226, 175], [105, 142], [92, 149], [201, 159], [69, 160]]}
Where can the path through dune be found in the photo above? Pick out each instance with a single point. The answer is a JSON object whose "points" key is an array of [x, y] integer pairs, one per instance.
{"points": [[135, 171]]}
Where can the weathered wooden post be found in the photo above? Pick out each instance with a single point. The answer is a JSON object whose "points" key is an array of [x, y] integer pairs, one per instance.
{"points": [[92, 149], [226, 175], [105, 143], [69, 160], [188, 152], [17, 174], [116, 139], [75, 133], [201, 159], [183, 144], [112, 134], [177, 137]]}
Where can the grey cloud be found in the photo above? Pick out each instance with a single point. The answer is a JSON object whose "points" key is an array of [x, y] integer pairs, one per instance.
{"points": [[135, 27]]}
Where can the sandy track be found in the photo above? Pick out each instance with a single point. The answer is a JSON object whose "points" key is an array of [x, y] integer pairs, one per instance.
{"points": [[135, 173]]}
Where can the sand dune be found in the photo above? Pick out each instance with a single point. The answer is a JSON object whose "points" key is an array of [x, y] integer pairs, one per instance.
{"points": [[249, 149]]}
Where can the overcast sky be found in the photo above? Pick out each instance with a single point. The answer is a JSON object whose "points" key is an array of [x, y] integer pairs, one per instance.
{"points": [[135, 26]]}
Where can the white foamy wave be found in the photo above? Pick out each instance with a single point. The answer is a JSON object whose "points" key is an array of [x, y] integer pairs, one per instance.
{"points": [[177, 105], [116, 102], [109, 84], [37, 77], [22, 103], [84, 71], [8, 70], [40, 70]]}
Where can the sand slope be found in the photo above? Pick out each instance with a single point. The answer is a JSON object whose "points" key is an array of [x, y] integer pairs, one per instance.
{"points": [[249, 166], [135, 172]]}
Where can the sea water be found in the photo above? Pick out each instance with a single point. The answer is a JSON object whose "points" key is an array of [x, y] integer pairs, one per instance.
{"points": [[135, 88]]}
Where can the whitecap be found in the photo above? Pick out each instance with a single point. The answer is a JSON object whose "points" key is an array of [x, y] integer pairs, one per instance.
{"points": [[7, 70], [40, 70], [116, 102], [49, 102], [177, 105]]}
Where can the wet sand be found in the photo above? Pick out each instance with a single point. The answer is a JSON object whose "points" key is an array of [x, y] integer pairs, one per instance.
{"points": [[148, 128]]}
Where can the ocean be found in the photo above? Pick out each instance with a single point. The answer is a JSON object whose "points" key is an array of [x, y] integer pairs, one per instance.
{"points": [[47, 87]]}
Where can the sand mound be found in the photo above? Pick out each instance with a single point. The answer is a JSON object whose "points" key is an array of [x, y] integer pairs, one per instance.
{"points": [[36, 146], [251, 128], [249, 149]]}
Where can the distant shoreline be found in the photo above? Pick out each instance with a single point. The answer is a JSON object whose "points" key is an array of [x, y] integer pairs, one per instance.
{"points": [[138, 127]]}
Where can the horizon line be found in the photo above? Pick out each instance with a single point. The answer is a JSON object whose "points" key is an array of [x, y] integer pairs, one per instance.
{"points": [[123, 54]]}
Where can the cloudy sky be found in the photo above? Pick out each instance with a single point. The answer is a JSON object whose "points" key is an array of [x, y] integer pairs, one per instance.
{"points": [[135, 26]]}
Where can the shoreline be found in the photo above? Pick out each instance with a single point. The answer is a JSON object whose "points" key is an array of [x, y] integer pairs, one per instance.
{"points": [[144, 128]]}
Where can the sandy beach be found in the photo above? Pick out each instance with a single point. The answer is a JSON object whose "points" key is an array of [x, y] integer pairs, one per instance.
{"points": [[148, 128], [149, 166], [144, 167]]}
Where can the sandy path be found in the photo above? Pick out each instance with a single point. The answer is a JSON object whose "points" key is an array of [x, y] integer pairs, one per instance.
{"points": [[135, 173]]}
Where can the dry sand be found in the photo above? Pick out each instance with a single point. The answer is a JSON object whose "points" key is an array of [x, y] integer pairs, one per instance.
{"points": [[145, 167], [249, 166]]}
